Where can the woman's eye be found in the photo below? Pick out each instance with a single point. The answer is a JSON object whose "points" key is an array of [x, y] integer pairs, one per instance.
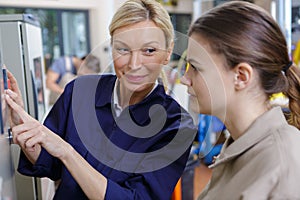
{"points": [[123, 50], [193, 67], [148, 51], [189, 65]]}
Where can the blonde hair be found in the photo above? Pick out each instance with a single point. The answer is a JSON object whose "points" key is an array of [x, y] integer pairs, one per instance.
{"points": [[134, 11]]}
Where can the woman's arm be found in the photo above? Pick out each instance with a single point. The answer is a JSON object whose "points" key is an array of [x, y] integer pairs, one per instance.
{"points": [[51, 84], [154, 185], [90, 180], [31, 135]]}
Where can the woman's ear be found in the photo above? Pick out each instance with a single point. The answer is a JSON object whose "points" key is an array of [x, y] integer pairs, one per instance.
{"points": [[169, 53], [243, 74]]}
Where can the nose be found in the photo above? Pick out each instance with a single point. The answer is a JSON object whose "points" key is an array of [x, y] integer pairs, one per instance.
{"points": [[185, 80], [135, 60]]}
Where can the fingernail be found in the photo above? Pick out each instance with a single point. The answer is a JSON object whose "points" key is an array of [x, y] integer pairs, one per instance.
{"points": [[9, 91]]}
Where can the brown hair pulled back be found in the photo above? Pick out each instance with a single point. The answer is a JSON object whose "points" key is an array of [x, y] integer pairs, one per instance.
{"points": [[244, 32]]}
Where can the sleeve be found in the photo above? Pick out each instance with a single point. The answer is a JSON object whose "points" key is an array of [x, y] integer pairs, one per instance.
{"points": [[158, 184], [58, 66], [41, 168], [47, 165]]}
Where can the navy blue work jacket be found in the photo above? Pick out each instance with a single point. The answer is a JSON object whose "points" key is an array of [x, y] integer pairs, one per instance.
{"points": [[157, 184]]}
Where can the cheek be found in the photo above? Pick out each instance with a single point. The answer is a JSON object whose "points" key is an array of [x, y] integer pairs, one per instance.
{"points": [[218, 95], [202, 101], [158, 58], [194, 104], [120, 64], [200, 86], [154, 69]]}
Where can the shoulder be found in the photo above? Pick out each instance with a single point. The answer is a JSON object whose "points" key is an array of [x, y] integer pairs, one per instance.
{"points": [[58, 64], [287, 138], [58, 61], [172, 106], [86, 79], [176, 112], [87, 85], [89, 81], [280, 150], [283, 140], [286, 160]]}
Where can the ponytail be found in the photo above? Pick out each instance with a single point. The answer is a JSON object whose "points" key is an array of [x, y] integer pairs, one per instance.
{"points": [[293, 94]]}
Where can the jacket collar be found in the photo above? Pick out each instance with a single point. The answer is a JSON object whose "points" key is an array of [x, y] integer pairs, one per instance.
{"points": [[274, 118], [139, 111], [105, 90]]}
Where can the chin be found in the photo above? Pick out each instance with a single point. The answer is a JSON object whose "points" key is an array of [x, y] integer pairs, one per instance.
{"points": [[136, 87], [198, 108], [205, 112], [194, 106]]}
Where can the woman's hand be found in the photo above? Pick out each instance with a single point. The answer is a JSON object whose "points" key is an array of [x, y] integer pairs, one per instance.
{"points": [[14, 93], [30, 135]]}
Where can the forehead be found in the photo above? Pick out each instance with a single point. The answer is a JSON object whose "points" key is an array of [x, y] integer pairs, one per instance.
{"points": [[198, 48], [139, 33], [200, 54]]}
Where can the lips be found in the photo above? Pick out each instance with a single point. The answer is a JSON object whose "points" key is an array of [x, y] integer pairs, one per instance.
{"points": [[134, 78], [192, 97], [191, 94]]}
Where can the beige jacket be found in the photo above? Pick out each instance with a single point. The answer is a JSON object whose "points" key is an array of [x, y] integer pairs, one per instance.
{"points": [[264, 163]]}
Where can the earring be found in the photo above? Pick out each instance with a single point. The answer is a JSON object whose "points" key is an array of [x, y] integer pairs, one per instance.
{"points": [[236, 77]]}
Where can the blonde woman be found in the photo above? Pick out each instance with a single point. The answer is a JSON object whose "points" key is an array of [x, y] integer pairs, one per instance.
{"points": [[125, 140]]}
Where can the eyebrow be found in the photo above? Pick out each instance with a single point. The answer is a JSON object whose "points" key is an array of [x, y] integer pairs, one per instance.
{"points": [[145, 44], [191, 60], [119, 41], [151, 42]]}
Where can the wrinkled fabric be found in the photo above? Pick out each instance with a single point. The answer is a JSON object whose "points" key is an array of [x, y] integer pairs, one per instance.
{"points": [[158, 184], [263, 163]]}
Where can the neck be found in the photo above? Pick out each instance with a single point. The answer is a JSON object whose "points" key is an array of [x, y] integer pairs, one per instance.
{"points": [[127, 97], [240, 118]]}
